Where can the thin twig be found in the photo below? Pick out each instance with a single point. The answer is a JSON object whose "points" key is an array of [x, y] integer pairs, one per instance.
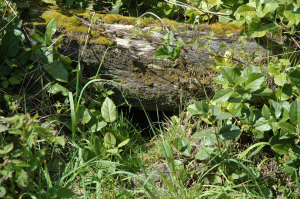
{"points": [[87, 35], [150, 13]]}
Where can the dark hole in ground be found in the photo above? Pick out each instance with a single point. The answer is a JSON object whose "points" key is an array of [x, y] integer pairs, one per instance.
{"points": [[139, 119]]}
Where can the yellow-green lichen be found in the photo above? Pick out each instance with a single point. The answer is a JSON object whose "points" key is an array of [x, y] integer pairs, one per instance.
{"points": [[149, 83], [70, 23], [112, 18], [224, 28], [104, 41]]}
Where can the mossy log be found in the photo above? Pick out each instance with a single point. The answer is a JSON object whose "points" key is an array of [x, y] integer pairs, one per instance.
{"points": [[157, 84]]}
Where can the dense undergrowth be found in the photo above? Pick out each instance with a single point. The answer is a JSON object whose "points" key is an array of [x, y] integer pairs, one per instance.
{"points": [[58, 141]]}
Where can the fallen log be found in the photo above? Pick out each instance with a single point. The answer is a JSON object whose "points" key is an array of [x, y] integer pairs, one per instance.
{"points": [[154, 83]]}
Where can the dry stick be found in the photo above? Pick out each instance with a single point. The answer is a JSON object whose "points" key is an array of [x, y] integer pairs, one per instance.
{"points": [[87, 35], [187, 6]]}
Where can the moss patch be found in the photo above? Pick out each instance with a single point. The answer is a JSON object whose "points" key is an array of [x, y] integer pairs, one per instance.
{"points": [[101, 40], [221, 28]]}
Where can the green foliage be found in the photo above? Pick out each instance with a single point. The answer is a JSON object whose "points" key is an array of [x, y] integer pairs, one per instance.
{"points": [[24, 155]]}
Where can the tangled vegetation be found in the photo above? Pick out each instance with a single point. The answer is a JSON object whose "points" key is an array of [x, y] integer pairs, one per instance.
{"points": [[59, 141]]}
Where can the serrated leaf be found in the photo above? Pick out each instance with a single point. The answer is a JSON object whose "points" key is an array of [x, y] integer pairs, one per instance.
{"points": [[109, 140], [223, 95], [21, 178], [295, 112], [230, 131], [231, 74], [276, 108], [249, 70], [254, 81], [220, 80], [262, 125], [108, 110], [58, 71], [223, 116], [7, 148]]}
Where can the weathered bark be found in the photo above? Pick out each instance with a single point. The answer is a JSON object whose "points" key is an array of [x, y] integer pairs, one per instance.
{"points": [[156, 82]]}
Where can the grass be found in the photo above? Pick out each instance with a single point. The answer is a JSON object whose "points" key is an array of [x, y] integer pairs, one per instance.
{"points": [[90, 156]]}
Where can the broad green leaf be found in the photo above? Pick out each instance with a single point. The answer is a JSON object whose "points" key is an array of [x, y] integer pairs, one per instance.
{"points": [[260, 32], [108, 110], [269, 7], [295, 77], [295, 112], [51, 28], [267, 193], [58, 71], [223, 116], [60, 140], [273, 70], [276, 108], [204, 153], [238, 175], [21, 178], [2, 192], [266, 112], [202, 106], [280, 149], [58, 88], [204, 133], [249, 70], [223, 95], [263, 30], [285, 92], [113, 150], [9, 44], [293, 16], [186, 147], [98, 126], [109, 140], [280, 79], [215, 180], [245, 11], [87, 116], [262, 125], [7, 148], [3, 128], [220, 80], [295, 152], [254, 81], [123, 143], [230, 131], [193, 110], [231, 74], [38, 38]]}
